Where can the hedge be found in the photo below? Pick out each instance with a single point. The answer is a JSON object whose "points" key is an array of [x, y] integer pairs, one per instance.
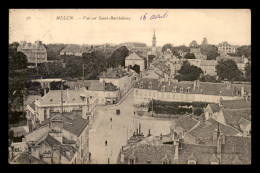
{"points": [[163, 107]]}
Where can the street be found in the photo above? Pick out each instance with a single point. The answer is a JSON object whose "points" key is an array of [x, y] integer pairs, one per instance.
{"points": [[119, 130]]}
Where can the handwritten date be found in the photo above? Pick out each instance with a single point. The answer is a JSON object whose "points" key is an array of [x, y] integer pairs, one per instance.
{"points": [[153, 16]]}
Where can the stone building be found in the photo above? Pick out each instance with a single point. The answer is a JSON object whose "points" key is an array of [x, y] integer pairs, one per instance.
{"points": [[166, 89], [230, 150], [63, 139], [133, 59], [58, 101], [225, 47], [35, 53]]}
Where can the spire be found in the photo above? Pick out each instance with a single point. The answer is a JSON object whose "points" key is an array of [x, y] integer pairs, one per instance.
{"points": [[154, 34]]}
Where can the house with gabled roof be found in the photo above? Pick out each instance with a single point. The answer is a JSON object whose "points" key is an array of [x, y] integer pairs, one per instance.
{"points": [[229, 150], [133, 59], [62, 140]]}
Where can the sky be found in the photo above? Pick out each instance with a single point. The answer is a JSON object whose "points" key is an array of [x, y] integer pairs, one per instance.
{"points": [[175, 26]]}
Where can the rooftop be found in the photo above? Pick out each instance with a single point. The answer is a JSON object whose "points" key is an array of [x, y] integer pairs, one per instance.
{"points": [[24, 158], [236, 104], [133, 56], [54, 97], [204, 132], [155, 154], [232, 116], [214, 107], [186, 122]]}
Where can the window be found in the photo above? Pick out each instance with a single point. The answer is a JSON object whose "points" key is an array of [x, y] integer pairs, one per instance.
{"points": [[136, 92], [173, 96], [174, 89], [181, 90], [131, 161]]}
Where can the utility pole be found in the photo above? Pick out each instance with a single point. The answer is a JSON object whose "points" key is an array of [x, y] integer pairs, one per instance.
{"points": [[152, 107], [61, 98], [83, 65]]}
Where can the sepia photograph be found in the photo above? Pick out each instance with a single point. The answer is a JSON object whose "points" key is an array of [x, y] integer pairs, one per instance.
{"points": [[129, 86]]}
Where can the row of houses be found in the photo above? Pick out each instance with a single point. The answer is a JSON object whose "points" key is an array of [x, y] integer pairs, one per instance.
{"points": [[166, 89]]}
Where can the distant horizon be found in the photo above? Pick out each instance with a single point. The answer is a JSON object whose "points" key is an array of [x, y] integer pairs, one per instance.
{"points": [[180, 27]]}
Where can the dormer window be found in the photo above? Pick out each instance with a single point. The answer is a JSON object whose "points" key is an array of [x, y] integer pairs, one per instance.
{"points": [[150, 85], [163, 88], [188, 90], [141, 85], [181, 90], [174, 89]]}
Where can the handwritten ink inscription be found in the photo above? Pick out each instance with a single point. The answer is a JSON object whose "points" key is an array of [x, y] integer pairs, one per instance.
{"points": [[153, 16]]}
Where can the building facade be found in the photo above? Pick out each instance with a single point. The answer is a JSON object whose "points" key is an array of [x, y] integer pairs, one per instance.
{"points": [[225, 47], [36, 53], [133, 59]]}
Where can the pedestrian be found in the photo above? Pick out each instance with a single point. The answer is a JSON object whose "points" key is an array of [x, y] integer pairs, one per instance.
{"points": [[111, 119], [134, 112], [106, 142]]}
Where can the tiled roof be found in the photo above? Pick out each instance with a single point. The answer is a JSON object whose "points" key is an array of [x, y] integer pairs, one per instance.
{"points": [[185, 122], [75, 125], [204, 132], [208, 62], [231, 151], [24, 159], [232, 116], [244, 122], [236, 104], [96, 85], [236, 146], [146, 82], [133, 56], [51, 141], [214, 107], [54, 97], [207, 88]]}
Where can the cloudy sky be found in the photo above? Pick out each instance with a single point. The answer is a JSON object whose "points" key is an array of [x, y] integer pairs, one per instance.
{"points": [[178, 27]]}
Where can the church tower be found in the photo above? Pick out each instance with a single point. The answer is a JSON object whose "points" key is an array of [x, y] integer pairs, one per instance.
{"points": [[154, 39]]}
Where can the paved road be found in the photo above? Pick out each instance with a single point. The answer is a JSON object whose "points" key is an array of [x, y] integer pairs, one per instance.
{"points": [[117, 131]]}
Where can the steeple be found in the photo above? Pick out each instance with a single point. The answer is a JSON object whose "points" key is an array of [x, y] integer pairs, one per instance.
{"points": [[154, 39]]}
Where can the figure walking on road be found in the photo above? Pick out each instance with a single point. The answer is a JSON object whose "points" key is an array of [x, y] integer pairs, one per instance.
{"points": [[111, 119], [106, 142]]}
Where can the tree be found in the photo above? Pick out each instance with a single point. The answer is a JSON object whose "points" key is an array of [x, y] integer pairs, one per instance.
{"points": [[244, 50], [118, 57], [210, 50], [208, 78], [248, 71], [189, 56], [228, 70], [136, 68], [95, 63], [174, 50], [189, 72], [57, 86], [53, 51]]}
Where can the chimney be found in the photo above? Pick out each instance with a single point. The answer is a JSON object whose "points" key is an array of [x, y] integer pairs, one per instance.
{"points": [[149, 132], [202, 119], [215, 134], [122, 157], [139, 129], [242, 91], [228, 85], [37, 124], [194, 85], [219, 147], [176, 149]]}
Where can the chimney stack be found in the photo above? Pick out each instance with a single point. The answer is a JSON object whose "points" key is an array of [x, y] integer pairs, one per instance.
{"points": [[215, 134], [139, 129], [242, 91], [176, 149]]}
